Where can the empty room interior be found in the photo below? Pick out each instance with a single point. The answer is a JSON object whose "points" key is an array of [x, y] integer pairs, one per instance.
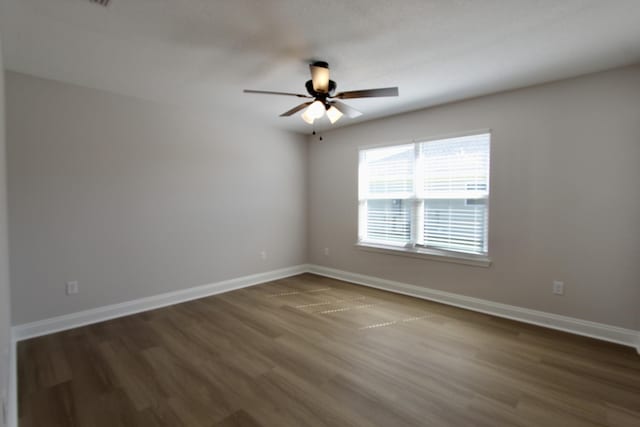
{"points": [[319, 213]]}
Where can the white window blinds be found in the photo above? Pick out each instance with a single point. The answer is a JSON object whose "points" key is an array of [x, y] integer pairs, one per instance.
{"points": [[389, 172], [431, 194], [389, 220], [456, 168], [386, 187], [455, 191]]}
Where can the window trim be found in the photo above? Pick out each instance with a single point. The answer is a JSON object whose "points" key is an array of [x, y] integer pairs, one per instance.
{"points": [[426, 139], [418, 251], [426, 253]]}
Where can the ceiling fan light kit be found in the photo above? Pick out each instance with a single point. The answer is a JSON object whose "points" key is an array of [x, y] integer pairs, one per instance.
{"points": [[316, 109], [325, 101], [307, 117], [334, 114]]}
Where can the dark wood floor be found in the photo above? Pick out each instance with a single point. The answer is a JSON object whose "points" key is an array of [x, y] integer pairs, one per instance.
{"points": [[312, 351]]}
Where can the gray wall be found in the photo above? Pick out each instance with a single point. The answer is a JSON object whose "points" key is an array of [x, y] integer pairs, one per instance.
{"points": [[5, 311], [564, 201], [132, 199]]}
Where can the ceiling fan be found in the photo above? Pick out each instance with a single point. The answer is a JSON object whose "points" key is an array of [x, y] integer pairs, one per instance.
{"points": [[324, 99]]}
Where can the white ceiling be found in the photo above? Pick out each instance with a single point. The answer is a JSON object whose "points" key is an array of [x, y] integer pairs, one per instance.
{"points": [[202, 53]]}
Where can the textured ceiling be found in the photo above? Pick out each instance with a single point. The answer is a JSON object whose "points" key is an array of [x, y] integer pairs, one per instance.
{"points": [[202, 53]]}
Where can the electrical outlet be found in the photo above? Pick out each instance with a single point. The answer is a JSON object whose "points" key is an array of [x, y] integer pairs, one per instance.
{"points": [[263, 255], [72, 288], [558, 287], [326, 251]]}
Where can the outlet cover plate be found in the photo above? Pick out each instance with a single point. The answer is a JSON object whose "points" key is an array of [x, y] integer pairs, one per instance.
{"points": [[558, 287], [72, 288]]}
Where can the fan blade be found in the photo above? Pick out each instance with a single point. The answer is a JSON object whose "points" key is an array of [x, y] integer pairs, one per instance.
{"points": [[268, 92], [296, 109], [320, 76], [346, 110], [368, 93]]}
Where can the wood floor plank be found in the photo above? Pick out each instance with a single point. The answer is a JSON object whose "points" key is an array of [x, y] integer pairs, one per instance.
{"points": [[239, 419], [315, 351]]}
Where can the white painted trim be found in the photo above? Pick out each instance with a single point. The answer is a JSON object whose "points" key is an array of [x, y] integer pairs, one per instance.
{"points": [[424, 253], [81, 318], [615, 334], [600, 331], [407, 141]]}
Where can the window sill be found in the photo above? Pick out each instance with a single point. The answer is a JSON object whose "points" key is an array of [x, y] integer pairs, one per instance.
{"points": [[430, 254]]}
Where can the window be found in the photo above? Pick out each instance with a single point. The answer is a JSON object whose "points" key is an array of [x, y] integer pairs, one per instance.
{"points": [[427, 197]]}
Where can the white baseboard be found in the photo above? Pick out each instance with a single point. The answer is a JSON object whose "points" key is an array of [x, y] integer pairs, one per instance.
{"points": [[600, 331], [627, 337], [95, 315], [81, 318]]}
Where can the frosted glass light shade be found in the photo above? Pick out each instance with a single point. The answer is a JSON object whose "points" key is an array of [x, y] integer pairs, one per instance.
{"points": [[334, 114], [320, 78], [307, 117], [316, 110]]}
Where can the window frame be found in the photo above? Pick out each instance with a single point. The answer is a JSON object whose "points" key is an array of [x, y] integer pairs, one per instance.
{"points": [[413, 249]]}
